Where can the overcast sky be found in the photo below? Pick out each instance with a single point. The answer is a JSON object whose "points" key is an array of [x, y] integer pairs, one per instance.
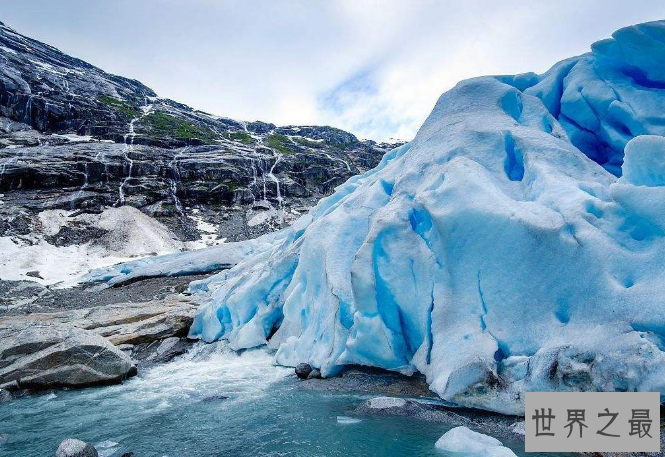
{"points": [[374, 68]]}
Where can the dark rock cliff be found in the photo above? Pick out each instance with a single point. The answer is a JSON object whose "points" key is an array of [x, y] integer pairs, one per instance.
{"points": [[74, 137]]}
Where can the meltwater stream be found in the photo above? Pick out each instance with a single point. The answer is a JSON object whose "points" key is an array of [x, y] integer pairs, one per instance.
{"points": [[180, 409]]}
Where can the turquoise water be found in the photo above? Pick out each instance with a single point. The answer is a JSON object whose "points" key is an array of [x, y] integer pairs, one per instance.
{"points": [[176, 410]]}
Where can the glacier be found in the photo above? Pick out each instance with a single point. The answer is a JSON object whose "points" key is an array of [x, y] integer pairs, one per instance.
{"points": [[516, 244]]}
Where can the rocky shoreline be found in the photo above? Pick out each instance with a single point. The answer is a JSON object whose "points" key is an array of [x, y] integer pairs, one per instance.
{"points": [[87, 336]]}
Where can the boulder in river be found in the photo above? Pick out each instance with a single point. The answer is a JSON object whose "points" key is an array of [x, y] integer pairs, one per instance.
{"points": [[72, 447], [41, 356], [314, 374], [303, 370]]}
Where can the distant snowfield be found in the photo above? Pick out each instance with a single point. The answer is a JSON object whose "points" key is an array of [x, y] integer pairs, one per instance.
{"points": [[130, 235]]}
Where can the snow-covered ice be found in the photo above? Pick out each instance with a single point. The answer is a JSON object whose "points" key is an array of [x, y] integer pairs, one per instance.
{"points": [[129, 234], [463, 442]]}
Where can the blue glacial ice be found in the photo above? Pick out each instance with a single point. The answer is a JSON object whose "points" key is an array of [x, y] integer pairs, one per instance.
{"points": [[613, 94], [501, 251]]}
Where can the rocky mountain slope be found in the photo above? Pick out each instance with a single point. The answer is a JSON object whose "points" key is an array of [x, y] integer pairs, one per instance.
{"points": [[78, 140]]}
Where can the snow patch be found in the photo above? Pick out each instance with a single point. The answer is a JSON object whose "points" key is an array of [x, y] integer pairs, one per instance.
{"points": [[72, 137], [130, 234], [260, 218], [207, 230]]}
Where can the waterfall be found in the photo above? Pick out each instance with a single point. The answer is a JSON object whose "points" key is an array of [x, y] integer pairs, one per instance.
{"points": [[267, 176], [126, 152], [175, 171], [272, 176], [83, 187], [128, 140], [338, 159], [263, 176], [28, 110], [101, 157]]}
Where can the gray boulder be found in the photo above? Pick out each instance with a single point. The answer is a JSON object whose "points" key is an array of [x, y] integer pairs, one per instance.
{"points": [[314, 374], [41, 356], [72, 447], [303, 370]]}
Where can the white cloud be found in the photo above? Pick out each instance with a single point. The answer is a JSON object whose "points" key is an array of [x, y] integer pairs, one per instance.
{"points": [[371, 67]]}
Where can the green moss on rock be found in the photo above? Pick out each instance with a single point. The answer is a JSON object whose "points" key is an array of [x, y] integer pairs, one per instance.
{"points": [[309, 143], [280, 143], [241, 137], [165, 125], [125, 107]]}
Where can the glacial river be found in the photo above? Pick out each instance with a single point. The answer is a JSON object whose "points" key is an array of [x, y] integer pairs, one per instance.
{"points": [[178, 409]]}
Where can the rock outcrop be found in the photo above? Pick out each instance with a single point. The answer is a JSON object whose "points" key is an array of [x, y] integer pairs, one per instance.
{"points": [[91, 346], [41, 356], [121, 323], [72, 447]]}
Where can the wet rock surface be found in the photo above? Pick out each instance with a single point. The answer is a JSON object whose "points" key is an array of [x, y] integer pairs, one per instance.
{"points": [[364, 380], [435, 411], [394, 394]]}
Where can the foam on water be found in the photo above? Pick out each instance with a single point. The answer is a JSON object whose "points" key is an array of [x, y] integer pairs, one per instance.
{"points": [[212, 402], [208, 370]]}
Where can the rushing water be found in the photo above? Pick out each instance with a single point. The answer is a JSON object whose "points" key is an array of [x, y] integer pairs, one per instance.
{"points": [[178, 409]]}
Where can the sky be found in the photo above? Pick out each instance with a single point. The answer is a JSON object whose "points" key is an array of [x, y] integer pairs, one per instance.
{"points": [[374, 68]]}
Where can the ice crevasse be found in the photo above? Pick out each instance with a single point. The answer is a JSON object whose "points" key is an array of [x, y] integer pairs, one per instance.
{"points": [[497, 253]]}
